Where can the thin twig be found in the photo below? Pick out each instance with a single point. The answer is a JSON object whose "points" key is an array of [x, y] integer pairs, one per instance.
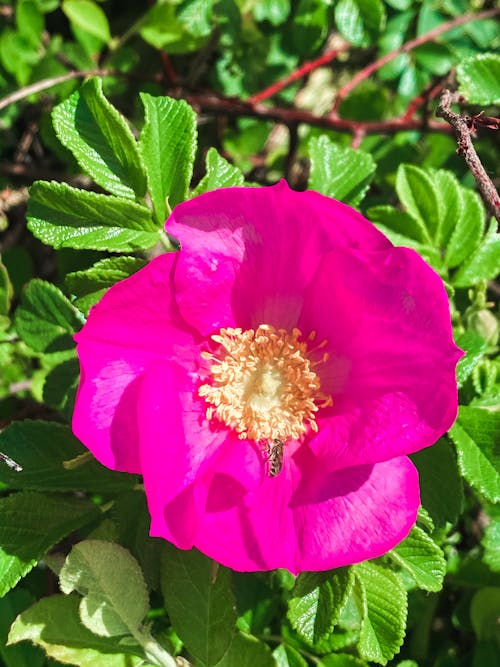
{"points": [[168, 68], [408, 46], [44, 84], [466, 148], [300, 72]]}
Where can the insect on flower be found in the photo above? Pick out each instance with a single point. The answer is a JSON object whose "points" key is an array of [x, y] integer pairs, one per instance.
{"points": [[275, 457]]}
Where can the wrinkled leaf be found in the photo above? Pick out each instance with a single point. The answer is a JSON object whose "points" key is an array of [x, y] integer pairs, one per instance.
{"points": [[65, 217]]}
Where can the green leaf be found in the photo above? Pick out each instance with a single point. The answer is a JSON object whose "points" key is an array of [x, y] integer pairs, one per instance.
{"points": [[42, 448], [29, 22], [383, 603], [247, 651], [341, 660], [162, 28], [441, 488], [360, 21], [485, 612], [199, 601], [220, 174], [91, 284], [468, 231], [168, 146], [132, 520], [491, 545], [88, 16], [474, 347], [115, 596], [54, 624], [286, 656], [308, 29], [434, 57], [339, 172], [316, 602], [46, 320], [65, 217], [398, 221], [30, 524], [420, 198], [479, 78], [419, 555], [101, 141], [450, 192], [6, 294], [484, 263], [476, 435], [60, 385], [274, 11], [16, 656]]}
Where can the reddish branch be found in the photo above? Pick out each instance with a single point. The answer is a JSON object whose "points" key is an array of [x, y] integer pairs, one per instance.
{"points": [[405, 48], [302, 71], [219, 105], [233, 107], [462, 127], [168, 68], [429, 94]]}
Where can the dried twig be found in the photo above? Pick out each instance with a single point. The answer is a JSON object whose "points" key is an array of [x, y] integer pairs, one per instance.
{"points": [[462, 127], [408, 46], [44, 84]]}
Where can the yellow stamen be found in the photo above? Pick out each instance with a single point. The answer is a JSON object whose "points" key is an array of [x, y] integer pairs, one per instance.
{"points": [[263, 383]]}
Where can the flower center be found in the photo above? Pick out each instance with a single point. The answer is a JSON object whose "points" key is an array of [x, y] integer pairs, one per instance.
{"points": [[263, 383]]}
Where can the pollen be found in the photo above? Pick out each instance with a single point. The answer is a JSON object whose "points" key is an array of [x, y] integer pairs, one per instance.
{"points": [[263, 383]]}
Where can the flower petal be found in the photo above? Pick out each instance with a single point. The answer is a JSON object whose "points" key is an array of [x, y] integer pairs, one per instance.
{"points": [[305, 519], [133, 325], [178, 445], [392, 363], [248, 271]]}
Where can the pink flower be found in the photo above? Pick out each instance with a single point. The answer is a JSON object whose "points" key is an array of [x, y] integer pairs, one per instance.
{"points": [[269, 379]]}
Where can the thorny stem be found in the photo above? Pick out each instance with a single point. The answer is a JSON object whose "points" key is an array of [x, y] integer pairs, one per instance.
{"points": [[408, 46], [466, 148], [300, 72]]}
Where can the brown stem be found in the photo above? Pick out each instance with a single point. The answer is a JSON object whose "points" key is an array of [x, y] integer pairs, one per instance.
{"points": [[408, 46], [466, 148]]}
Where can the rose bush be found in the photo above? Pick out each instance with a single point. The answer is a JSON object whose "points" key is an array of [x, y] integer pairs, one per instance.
{"points": [[270, 378]]}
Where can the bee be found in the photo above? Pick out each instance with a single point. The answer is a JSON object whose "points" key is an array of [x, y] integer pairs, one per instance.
{"points": [[275, 457]]}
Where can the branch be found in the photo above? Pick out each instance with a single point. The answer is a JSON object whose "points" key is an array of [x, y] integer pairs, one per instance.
{"points": [[228, 106], [37, 87], [425, 97], [297, 74], [405, 48], [461, 125]]}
